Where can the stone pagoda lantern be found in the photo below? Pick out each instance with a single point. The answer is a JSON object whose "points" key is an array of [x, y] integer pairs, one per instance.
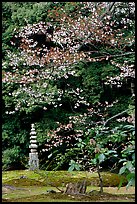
{"points": [[33, 155]]}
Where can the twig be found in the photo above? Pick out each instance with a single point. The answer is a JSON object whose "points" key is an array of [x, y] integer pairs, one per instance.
{"points": [[111, 56], [117, 115], [57, 187]]}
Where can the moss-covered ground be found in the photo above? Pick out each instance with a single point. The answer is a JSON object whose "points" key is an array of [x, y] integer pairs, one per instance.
{"points": [[29, 186]]}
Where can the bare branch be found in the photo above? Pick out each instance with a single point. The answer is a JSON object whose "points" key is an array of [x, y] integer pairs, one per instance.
{"points": [[115, 116], [118, 55], [106, 56]]}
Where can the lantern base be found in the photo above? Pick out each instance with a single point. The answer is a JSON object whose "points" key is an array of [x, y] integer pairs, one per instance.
{"points": [[33, 161]]}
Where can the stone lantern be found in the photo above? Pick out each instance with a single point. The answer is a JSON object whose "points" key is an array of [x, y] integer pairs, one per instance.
{"points": [[33, 155]]}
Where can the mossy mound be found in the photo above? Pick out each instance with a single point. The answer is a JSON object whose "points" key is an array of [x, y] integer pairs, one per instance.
{"points": [[113, 180], [25, 182], [110, 180], [61, 178]]}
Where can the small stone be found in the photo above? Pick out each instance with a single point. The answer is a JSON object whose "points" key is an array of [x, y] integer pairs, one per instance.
{"points": [[51, 191], [22, 177]]}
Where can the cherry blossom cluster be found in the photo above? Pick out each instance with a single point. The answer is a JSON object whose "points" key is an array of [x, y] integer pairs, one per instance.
{"points": [[128, 119], [126, 71], [77, 97], [84, 118], [68, 35], [33, 74], [61, 42], [58, 52], [64, 135], [32, 96]]}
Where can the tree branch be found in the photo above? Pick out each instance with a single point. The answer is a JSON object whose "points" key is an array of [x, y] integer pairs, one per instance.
{"points": [[111, 56], [115, 116]]}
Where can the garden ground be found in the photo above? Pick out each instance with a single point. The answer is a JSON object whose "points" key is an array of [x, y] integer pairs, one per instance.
{"points": [[43, 186]]}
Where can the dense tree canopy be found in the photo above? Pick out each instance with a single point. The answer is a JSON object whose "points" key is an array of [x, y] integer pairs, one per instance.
{"points": [[68, 67]]}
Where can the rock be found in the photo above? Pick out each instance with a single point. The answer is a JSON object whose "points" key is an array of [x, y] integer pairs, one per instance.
{"points": [[51, 191], [22, 177]]}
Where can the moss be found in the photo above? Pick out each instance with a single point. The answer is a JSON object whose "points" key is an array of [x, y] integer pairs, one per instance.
{"points": [[110, 180], [25, 182], [59, 197], [113, 180], [35, 187], [60, 178]]}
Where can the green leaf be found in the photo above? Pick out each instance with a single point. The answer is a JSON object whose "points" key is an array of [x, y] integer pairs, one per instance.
{"points": [[130, 175], [101, 158], [72, 162], [131, 183], [133, 156], [77, 167], [115, 155], [71, 168], [110, 151], [122, 160], [129, 165], [94, 161], [73, 165], [79, 139], [97, 155], [120, 184], [122, 170]]}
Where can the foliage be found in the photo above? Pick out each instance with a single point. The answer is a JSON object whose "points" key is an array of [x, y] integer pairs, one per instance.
{"points": [[124, 154], [128, 160], [73, 166], [68, 78], [11, 157]]}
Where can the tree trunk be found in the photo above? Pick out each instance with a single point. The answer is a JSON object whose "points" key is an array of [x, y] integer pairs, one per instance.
{"points": [[100, 179], [76, 188]]}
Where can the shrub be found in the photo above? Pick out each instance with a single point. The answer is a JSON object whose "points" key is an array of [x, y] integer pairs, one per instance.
{"points": [[11, 158]]}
